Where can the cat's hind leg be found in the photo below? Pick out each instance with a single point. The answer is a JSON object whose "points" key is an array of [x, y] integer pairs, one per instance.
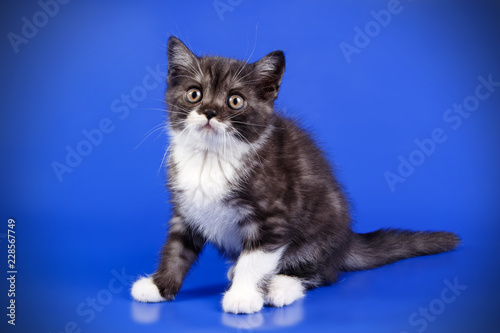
{"points": [[284, 290]]}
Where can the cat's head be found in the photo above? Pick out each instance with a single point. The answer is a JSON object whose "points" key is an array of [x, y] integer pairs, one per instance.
{"points": [[219, 99]]}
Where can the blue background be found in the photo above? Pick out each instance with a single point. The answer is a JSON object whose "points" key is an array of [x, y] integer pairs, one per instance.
{"points": [[107, 217]]}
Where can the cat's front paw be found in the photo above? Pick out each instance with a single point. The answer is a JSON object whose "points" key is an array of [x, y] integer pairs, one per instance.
{"points": [[144, 290], [242, 300]]}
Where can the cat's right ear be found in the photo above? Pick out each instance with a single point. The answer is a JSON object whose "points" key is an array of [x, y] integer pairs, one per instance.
{"points": [[269, 72], [179, 57]]}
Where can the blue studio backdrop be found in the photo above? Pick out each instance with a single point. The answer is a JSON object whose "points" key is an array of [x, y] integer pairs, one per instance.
{"points": [[404, 96]]}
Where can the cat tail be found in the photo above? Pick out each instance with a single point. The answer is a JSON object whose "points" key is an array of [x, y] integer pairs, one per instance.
{"points": [[385, 246]]}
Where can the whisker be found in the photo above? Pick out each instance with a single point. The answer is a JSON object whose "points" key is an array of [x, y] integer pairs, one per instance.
{"points": [[235, 75], [244, 76], [157, 99], [250, 145], [154, 109], [177, 106], [250, 124], [186, 76], [151, 131], [167, 151], [244, 63]]}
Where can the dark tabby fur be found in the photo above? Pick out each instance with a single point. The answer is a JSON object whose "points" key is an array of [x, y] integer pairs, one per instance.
{"points": [[288, 193]]}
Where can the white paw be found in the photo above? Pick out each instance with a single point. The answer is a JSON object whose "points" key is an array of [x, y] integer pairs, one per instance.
{"points": [[242, 300], [144, 290], [284, 290]]}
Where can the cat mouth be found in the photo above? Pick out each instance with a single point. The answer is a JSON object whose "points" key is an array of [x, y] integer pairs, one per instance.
{"points": [[209, 129], [207, 126], [212, 128]]}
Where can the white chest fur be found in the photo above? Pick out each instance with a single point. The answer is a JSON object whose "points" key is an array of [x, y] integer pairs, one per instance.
{"points": [[205, 179], [208, 170]]}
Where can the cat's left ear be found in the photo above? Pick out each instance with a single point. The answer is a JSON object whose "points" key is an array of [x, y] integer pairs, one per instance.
{"points": [[269, 72], [179, 56]]}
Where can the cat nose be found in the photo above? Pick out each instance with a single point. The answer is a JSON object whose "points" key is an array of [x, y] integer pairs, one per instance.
{"points": [[210, 114]]}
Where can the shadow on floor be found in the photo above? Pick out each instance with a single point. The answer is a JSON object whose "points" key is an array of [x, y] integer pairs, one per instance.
{"points": [[201, 292]]}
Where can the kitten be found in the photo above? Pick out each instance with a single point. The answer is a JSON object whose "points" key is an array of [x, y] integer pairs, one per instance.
{"points": [[256, 186]]}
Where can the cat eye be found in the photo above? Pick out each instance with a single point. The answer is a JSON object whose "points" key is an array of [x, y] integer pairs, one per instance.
{"points": [[235, 102], [193, 95]]}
